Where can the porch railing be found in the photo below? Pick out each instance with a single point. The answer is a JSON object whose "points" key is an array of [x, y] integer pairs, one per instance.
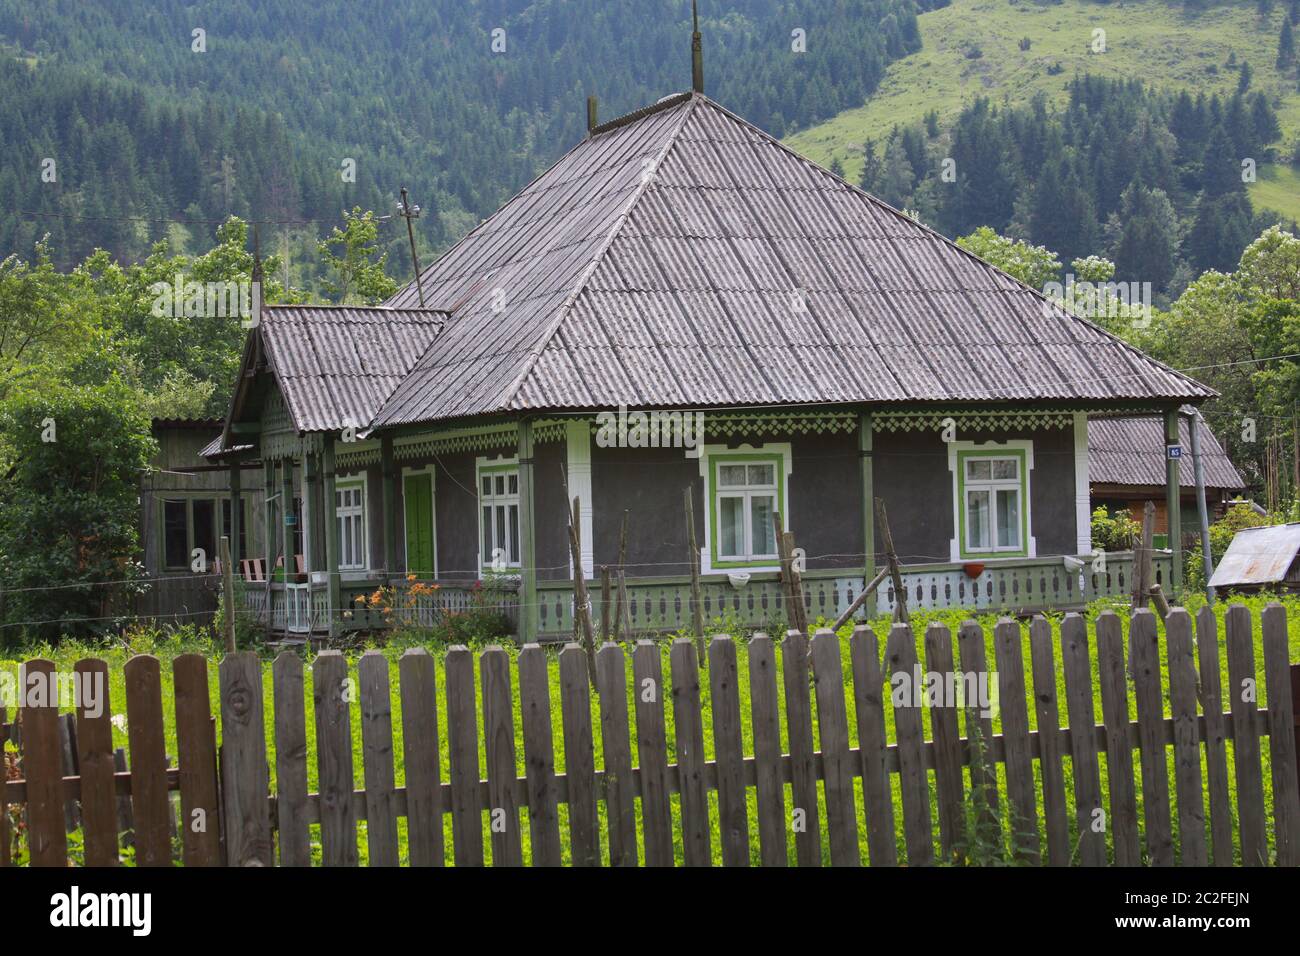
{"points": [[662, 605]]}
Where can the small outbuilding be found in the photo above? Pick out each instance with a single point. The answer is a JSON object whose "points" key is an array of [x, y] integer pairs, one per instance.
{"points": [[1261, 559], [1126, 469]]}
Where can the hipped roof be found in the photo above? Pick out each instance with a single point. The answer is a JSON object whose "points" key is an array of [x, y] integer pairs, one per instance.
{"points": [[681, 257]]}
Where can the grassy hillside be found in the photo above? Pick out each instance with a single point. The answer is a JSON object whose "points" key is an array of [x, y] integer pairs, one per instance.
{"points": [[972, 48], [1278, 188]]}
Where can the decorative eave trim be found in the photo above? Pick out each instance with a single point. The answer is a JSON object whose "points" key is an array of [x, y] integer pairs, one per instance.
{"points": [[1033, 419], [483, 438]]}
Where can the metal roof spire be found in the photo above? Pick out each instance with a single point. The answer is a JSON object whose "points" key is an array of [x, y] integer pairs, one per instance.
{"points": [[697, 51]]}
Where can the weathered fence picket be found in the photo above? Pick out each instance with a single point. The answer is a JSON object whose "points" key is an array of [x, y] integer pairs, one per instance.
{"points": [[420, 753], [95, 762], [1216, 735], [196, 744], [1242, 693], [1088, 811], [331, 698], [144, 718], [229, 814], [539, 757], [291, 760], [765, 718], [803, 770]]}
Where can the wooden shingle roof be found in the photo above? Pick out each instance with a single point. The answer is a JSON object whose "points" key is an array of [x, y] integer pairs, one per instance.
{"points": [[683, 257]]}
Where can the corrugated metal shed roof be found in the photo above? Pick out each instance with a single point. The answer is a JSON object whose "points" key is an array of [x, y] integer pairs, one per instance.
{"points": [[684, 257], [336, 365], [1258, 556], [1131, 451]]}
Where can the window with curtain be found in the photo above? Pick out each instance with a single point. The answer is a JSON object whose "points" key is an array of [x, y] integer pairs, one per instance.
{"points": [[499, 516], [350, 520], [745, 496], [993, 499]]}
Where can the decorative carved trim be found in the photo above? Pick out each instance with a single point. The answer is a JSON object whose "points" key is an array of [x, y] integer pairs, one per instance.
{"points": [[966, 421]]}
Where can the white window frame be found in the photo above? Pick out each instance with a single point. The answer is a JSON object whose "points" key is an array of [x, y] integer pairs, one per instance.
{"points": [[362, 481], [958, 552], [710, 457], [507, 466]]}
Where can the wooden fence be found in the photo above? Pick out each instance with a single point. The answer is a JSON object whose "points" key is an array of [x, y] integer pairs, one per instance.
{"points": [[825, 794]]}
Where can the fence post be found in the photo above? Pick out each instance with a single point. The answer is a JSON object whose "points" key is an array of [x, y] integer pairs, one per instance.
{"points": [[244, 783], [43, 768]]}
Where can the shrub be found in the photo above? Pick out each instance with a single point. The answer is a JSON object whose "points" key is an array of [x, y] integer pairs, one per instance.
{"points": [[68, 528], [1116, 531]]}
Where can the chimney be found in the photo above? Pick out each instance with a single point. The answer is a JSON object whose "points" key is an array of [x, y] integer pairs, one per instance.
{"points": [[592, 120]]}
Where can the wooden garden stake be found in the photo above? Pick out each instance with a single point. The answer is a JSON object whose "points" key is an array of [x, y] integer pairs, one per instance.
{"points": [[621, 610], [697, 601], [581, 602], [790, 579], [887, 539], [604, 603], [228, 593]]}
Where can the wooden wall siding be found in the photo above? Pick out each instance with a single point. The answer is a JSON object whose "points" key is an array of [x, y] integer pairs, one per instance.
{"points": [[839, 719]]}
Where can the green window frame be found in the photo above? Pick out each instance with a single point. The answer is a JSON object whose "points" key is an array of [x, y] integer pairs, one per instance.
{"points": [[994, 488], [749, 493], [498, 513]]}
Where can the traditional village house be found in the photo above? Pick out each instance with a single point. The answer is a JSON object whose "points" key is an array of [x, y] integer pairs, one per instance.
{"points": [[680, 259]]}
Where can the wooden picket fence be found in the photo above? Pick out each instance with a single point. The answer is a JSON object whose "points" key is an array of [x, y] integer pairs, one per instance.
{"points": [[952, 777]]}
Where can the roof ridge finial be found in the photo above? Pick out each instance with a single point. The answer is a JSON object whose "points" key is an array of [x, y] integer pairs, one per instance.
{"points": [[697, 51]]}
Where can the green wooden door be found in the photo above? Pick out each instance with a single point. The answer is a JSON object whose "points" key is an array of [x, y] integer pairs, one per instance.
{"points": [[417, 495]]}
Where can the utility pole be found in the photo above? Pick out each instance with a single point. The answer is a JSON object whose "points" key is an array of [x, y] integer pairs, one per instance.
{"points": [[409, 212]]}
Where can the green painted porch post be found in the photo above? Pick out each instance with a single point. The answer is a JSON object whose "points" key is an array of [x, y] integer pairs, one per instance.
{"points": [[235, 521], [268, 528], [331, 535], [389, 502], [1173, 505], [310, 498], [868, 496], [527, 538], [286, 493]]}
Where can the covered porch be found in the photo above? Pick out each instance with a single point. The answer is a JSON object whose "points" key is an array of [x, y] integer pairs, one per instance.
{"points": [[417, 519]]}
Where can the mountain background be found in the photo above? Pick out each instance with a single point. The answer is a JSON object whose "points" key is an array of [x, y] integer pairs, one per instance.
{"points": [[144, 130], [259, 125]]}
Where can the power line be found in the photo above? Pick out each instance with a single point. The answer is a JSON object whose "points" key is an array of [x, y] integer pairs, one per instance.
{"points": [[184, 222]]}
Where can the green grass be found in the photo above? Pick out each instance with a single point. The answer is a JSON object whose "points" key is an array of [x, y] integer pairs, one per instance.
{"points": [[1277, 188], [168, 647], [1150, 40]]}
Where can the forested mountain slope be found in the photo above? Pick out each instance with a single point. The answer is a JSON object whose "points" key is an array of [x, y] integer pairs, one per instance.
{"points": [[462, 101], [1012, 50]]}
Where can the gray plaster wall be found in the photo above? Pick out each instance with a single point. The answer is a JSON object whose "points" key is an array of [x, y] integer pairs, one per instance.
{"points": [[825, 507], [912, 476]]}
